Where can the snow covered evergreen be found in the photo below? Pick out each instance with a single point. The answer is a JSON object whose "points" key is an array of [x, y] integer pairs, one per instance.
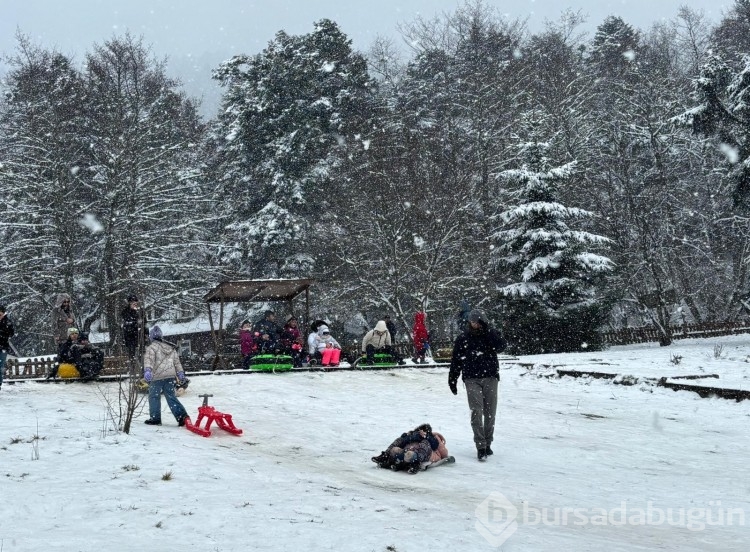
{"points": [[374, 174], [555, 302]]}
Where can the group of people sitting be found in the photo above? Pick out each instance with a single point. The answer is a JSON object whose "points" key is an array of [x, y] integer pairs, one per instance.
{"points": [[266, 337], [78, 351]]}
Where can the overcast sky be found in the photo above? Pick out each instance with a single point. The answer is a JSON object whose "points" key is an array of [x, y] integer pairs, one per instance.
{"points": [[198, 34]]}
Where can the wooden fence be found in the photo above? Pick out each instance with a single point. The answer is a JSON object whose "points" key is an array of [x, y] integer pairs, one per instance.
{"points": [[39, 367], [627, 336]]}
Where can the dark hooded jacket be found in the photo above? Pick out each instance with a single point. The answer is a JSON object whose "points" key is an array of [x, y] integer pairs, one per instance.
{"points": [[475, 353], [7, 330]]}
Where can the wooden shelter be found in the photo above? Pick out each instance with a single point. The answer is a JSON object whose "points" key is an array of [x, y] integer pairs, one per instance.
{"points": [[252, 291]]}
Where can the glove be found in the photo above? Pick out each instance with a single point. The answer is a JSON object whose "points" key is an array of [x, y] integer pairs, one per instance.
{"points": [[181, 376], [454, 387], [148, 375]]}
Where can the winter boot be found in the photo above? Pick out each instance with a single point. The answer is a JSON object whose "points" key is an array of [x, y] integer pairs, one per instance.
{"points": [[399, 465], [481, 454], [414, 467], [488, 450], [151, 421], [383, 460]]}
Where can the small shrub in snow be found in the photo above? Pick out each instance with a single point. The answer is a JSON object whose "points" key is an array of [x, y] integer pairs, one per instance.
{"points": [[675, 359], [167, 476], [718, 350]]}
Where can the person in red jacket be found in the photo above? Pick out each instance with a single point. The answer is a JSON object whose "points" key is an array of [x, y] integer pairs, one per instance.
{"points": [[420, 335], [247, 343]]}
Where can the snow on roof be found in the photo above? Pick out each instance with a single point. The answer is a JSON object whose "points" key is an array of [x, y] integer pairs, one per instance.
{"points": [[198, 324]]}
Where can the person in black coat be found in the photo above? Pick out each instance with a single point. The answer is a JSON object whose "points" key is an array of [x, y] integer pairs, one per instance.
{"points": [[65, 352], [268, 324], [133, 326], [474, 358], [88, 359], [7, 330], [391, 328]]}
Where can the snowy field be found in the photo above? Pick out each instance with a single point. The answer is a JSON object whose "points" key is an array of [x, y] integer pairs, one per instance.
{"points": [[727, 357], [579, 464]]}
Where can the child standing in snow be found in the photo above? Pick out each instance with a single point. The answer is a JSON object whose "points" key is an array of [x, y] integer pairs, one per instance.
{"points": [[247, 343], [161, 366], [420, 336]]}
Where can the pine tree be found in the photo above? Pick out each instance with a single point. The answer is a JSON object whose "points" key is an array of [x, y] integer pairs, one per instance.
{"points": [[555, 304], [731, 37], [290, 115]]}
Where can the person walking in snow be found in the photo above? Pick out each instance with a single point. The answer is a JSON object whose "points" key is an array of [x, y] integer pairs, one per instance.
{"points": [[161, 367], [412, 448], [474, 358], [7, 330]]}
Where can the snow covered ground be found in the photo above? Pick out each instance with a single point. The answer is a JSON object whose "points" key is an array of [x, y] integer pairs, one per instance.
{"points": [[579, 464], [727, 357]]}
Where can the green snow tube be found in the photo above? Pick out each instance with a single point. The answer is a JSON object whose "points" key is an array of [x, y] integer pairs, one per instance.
{"points": [[383, 359], [271, 363]]}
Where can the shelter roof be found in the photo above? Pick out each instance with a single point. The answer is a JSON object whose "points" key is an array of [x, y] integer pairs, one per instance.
{"points": [[239, 291]]}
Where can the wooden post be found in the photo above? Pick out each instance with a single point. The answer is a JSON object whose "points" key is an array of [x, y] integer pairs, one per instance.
{"points": [[307, 306], [211, 325]]}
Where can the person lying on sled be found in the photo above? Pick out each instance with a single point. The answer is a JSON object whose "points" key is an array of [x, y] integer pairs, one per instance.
{"points": [[412, 448]]}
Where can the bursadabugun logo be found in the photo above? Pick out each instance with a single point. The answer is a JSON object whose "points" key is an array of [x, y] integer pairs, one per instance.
{"points": [[496, 519]]}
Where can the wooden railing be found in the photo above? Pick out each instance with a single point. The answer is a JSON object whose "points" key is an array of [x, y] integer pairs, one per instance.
{"points": [[39, 367], [626, 336]]}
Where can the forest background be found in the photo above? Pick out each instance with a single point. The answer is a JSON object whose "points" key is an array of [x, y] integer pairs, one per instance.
{"points": [[561, 182]]}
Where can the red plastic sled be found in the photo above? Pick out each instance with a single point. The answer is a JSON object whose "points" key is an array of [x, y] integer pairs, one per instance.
{"points": [[224, 421]]}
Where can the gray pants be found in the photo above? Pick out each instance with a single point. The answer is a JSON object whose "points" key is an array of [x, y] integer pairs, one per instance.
{"points": [[482, 395]]}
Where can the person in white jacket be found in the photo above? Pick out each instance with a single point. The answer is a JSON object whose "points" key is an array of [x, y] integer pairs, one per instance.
{"points": [[378, 340], [161, 365], [327, 346]]}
